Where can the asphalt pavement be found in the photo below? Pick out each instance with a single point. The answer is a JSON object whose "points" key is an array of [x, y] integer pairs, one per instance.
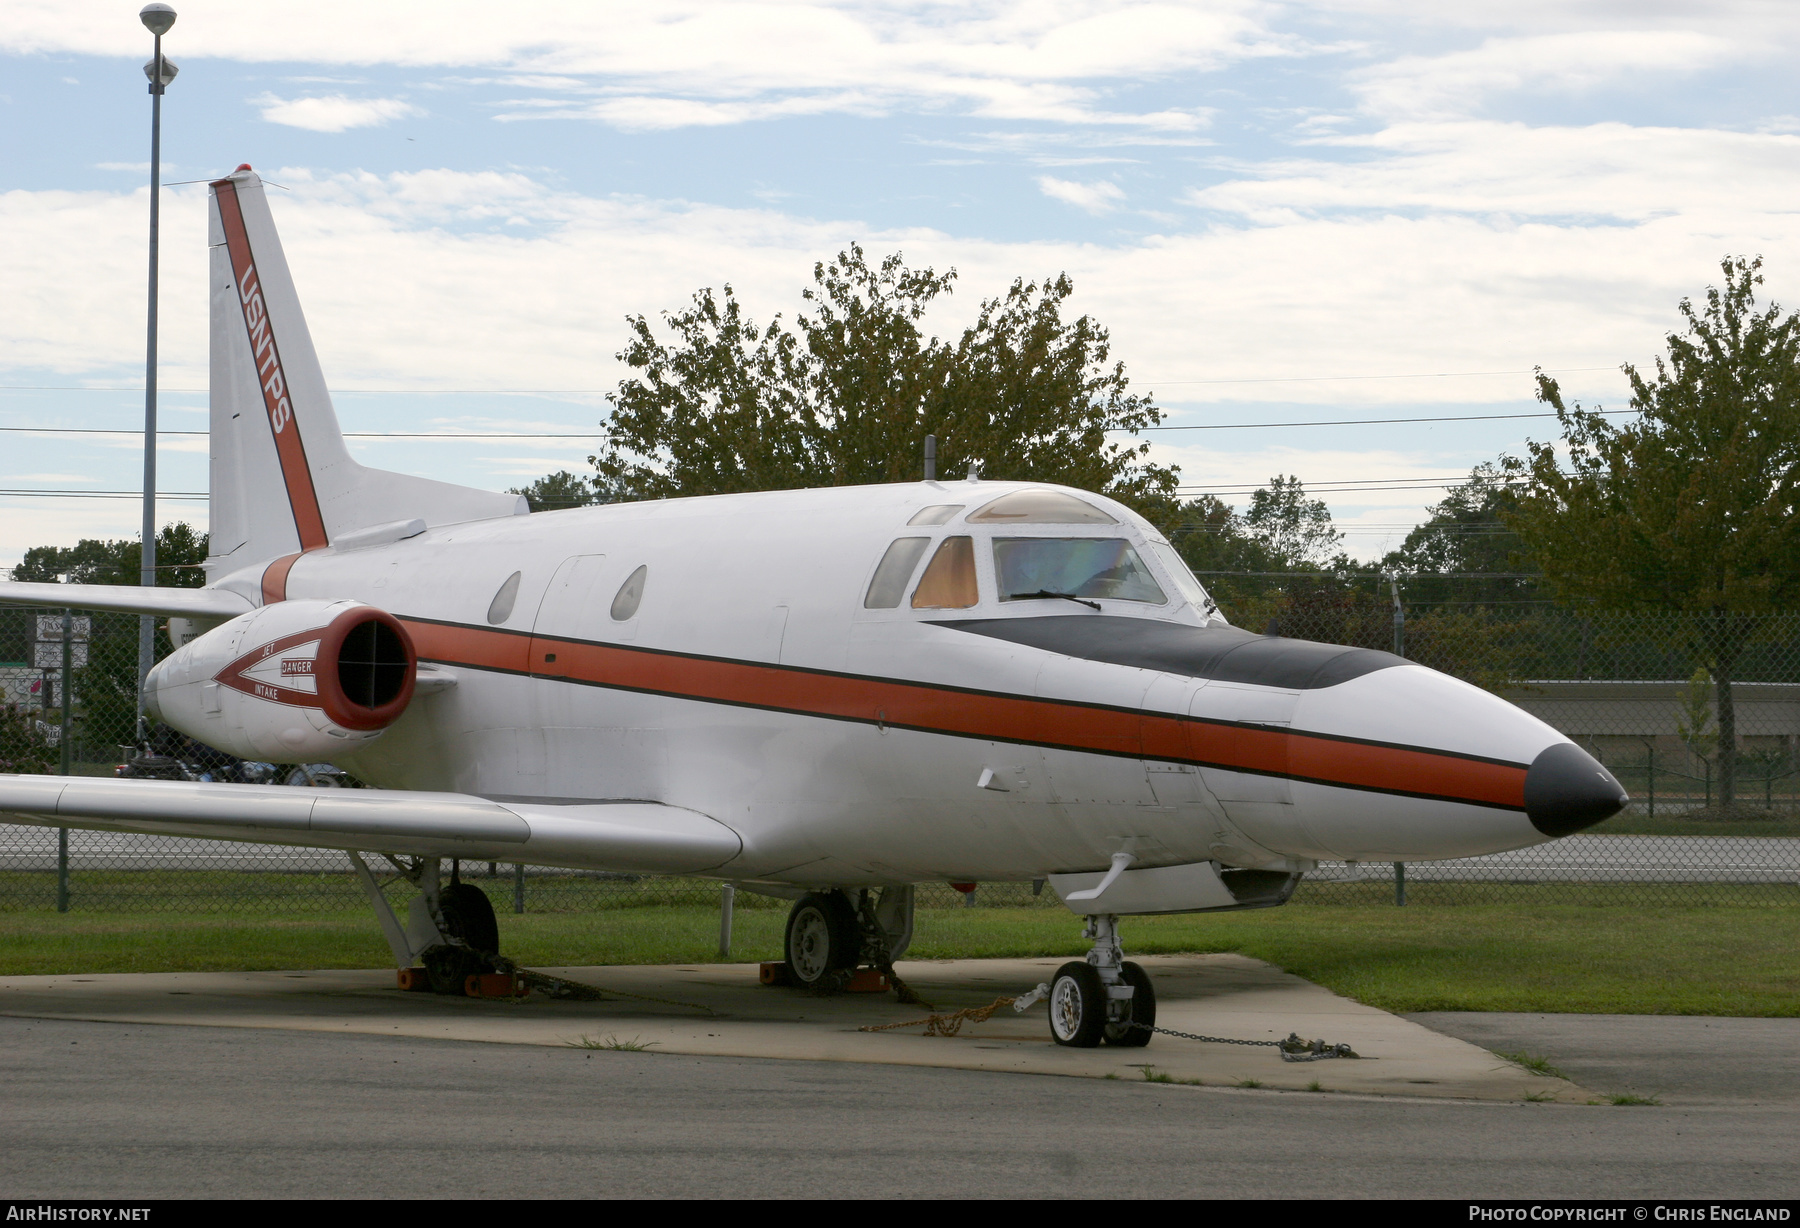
{"points": [[128, 1110]]}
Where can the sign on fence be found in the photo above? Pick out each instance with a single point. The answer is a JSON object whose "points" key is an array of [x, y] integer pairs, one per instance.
{"points": [[49, 656], [49, 628]]}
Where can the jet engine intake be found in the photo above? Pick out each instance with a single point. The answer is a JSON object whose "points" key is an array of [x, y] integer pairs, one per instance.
{"points": [[293, 682]]}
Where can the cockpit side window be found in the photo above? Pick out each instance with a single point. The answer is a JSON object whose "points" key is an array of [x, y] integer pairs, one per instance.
{"points": [[937, 513], [1039, 507], [949, 580], [1190, 588], [889, 584], [1038, 568]]}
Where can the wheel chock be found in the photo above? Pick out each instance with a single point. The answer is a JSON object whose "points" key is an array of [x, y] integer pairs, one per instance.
{"points": [[496, 985], [868, 980], [412, 980], [775, 972]]}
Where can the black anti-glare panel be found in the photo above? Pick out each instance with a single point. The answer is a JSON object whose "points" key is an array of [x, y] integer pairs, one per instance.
{"points": [[1224, 654]]}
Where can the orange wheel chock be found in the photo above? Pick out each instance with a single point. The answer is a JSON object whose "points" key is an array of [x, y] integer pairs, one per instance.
{"points": [[496, 985], [868, 980], [412, 980]]}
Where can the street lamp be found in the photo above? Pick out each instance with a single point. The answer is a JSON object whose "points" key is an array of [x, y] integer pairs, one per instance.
{"points": [[157, 18]]}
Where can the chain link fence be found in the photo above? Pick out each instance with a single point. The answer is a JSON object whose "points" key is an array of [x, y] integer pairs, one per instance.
{"points": [[1714, 819]]}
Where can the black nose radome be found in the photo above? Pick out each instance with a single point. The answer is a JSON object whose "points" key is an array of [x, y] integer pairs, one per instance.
{"points": [[1566, 790]]}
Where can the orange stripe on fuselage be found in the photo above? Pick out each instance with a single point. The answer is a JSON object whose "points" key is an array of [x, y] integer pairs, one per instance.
{"points": [[1368, 766]]}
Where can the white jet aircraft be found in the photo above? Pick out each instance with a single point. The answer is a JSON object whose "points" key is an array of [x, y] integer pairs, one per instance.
{"points": [[827, 695]]}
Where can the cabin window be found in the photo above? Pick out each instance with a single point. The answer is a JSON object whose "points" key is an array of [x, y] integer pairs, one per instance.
{"points": [[1039, 507], [889, 584], [949, 580], [937, 513], [631, 593], [1038, 568], [501, 608]]}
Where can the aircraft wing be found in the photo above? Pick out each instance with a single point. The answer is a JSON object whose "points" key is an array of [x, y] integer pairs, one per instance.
{"points": [[644, 837], [128, 599]]}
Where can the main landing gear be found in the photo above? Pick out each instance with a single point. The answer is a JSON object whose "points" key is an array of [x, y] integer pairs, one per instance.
{"points": [[1105, 999], [828, 936], [450, 927]]}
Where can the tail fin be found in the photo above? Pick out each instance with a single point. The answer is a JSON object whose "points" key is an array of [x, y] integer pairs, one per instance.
{"points": [[282, 480]]}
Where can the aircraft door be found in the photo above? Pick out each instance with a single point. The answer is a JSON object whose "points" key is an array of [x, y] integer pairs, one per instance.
{"points": [[570, 604]]}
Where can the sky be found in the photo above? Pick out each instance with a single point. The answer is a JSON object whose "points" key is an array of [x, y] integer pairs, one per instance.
{"points": [[1284, 213]]}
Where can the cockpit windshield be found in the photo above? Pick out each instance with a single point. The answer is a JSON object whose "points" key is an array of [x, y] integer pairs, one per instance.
{"points": [[1036, 568]]}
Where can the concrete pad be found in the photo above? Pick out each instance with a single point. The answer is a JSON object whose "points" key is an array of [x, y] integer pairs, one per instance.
{"points": [[720, 1009]]}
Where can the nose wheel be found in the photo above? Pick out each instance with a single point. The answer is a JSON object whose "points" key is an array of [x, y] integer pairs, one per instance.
{"points": [[823, 941], [1104, 999]]}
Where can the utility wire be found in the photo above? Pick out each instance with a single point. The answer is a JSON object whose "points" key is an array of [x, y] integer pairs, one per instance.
{"points": [[590, 392]]}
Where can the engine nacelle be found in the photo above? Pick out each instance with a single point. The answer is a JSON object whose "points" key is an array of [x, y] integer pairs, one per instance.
{"points": [[294, 682]]}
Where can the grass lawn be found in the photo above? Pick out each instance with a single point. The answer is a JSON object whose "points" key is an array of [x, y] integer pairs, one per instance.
{"points": [[1601, 956]]}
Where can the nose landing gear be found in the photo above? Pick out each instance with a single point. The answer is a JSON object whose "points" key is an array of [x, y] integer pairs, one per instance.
{"points": [[1106, 999]]}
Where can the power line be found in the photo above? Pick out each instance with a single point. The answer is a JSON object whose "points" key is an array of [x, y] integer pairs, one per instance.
{"points": [[1207, 426], [1243, 426], [1311, 379], [92, 430], [102, 494], [590, 392]]}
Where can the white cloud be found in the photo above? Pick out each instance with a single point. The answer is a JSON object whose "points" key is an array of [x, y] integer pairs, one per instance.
{"points": [[333, 112], [721, 61], [1097, 197], [1479, 167], [1457, 82], [412, 280]]}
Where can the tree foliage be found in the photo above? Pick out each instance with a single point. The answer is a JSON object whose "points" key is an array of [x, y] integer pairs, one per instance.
{"points": [[180, 551], [105, 691], [555, 491], [845, 393], [1691, 505], [1281, 531], [1465, 551]]}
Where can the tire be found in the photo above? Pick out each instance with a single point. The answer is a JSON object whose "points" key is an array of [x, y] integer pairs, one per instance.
{"points": [[1077, 1006], [1143, 1010], [469, 915], [822, 939], [305, 777]]}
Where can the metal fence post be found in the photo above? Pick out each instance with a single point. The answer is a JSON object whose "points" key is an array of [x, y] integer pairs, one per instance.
{"points": [[62, 833], [519, 887], [727, 898], [1399, 884]]}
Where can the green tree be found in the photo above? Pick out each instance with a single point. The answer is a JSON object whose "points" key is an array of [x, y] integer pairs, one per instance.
{"points": [[1689, 507], [1296, 532], [1259, 562], [563, 489], [107, 687], [180, 551], [1465, 551], [846, 393], [24, 747]]}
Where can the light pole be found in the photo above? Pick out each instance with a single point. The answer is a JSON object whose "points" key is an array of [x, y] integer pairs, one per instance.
{"points": [[157, 18]]}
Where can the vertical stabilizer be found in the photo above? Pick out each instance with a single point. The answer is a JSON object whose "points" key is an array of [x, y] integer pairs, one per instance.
{"points": [[282, 481]]}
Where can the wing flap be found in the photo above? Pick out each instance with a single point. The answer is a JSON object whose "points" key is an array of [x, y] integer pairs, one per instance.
{"points": [[646, 837]]}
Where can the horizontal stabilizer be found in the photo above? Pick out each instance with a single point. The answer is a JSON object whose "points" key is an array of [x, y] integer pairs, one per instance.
{"points": [[643, 837], [128, 599]]}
